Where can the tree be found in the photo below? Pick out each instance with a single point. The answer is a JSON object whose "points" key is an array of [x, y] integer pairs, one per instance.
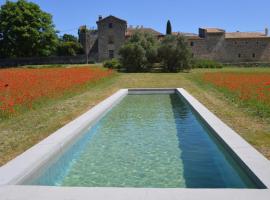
{"points": [[69, 38], [26, 30], [169, 28], [174, 53], [132, 57], [69, 46], [139, 52]]}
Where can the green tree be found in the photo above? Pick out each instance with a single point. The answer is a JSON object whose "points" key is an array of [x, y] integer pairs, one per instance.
{"points": [[132, 57], [26, 30], [169, 28], [69, 38], [68, 45], [174, 53], [139, 52]]}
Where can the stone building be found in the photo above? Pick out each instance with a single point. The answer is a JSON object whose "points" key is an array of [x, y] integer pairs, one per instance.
{"points": [[231, 47], [210, 43]]}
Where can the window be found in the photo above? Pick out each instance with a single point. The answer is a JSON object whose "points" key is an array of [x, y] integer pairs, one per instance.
{"points": [[192, 55], [192, 44], [110, 39], [239, 55], [246, 42], [111, 54], [235, 42], [253, 55], [110, 25]]}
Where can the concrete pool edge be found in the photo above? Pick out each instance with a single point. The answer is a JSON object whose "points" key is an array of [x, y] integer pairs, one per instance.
{"points": [[10, 174], [79, 193], [24, 165], [254, 160]]}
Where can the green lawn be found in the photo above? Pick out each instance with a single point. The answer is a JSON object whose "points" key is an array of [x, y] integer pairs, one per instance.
{"points": [[23, 131]]}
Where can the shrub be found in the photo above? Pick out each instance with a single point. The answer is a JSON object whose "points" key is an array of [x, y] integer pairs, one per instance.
{"points": [[112, 64], [174, 54], [132, 57], [139, 53], [206, 64]]}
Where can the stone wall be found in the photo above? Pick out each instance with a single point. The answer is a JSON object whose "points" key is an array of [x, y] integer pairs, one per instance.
{"points": [[14, 62], [231, 50], [198, 48], [111, 36], [247, 50]]}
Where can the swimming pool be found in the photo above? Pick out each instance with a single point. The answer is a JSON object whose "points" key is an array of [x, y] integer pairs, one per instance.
{"points": [[147, 140], [141, 138]]}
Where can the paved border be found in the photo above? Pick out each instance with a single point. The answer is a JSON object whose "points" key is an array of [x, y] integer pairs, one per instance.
{"points": [[27, 163], [151, 91], [255, 163], [83, 193]]}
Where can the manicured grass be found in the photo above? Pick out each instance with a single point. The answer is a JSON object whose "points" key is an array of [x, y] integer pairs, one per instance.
{"points": [[23, 131]]}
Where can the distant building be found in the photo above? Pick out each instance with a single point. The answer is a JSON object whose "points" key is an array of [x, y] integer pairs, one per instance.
{"points": [[210, 43]]}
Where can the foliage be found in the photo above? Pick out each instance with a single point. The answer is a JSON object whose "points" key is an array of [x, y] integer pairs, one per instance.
{"points": [[68, 45], [26, 30], [169, 28], [69, 38], [249, 89], [139, 52], [206, 64], [132, 57], [112, 64], [174, 53], [20, 88]]}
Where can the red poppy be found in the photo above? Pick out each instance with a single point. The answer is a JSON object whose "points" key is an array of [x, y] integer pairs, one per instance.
{"points": [[26, 86]]}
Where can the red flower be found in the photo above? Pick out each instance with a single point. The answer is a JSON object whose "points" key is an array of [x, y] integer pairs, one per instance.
{"points": [[29, 85], [246, 86]]}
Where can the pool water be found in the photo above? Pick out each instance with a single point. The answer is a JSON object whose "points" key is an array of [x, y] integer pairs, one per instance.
{"points": [[147, 141]]}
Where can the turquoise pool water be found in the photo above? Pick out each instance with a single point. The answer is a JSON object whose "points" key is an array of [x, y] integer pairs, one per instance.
{"points": [[147, 141]]}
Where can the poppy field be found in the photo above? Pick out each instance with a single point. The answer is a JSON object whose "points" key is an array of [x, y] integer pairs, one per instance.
{"points": [[22, 88], [249, 89]]}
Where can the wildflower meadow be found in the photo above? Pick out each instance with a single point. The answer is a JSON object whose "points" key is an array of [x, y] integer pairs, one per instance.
{"points": [[249, 89], [21, 88]]}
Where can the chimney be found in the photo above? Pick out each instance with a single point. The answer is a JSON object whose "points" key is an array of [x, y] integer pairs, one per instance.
{"points": [[99, 17], [266, 31]]}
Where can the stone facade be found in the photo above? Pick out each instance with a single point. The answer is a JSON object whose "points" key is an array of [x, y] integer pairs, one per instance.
{"points": [[111, 36], [210, 43], [216, 44]]}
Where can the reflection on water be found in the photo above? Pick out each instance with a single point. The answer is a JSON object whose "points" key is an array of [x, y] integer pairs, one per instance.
{"points": [[146, 141], [206, 163]]}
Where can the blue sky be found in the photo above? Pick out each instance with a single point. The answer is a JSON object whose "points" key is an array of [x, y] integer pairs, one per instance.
{"points": [[185, 15]]}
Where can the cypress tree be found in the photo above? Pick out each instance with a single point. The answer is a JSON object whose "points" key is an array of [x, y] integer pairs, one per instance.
{"points": [[169, 28]]}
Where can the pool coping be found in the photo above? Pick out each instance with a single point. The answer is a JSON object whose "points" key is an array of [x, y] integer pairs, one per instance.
{"points": [[21, 167]]}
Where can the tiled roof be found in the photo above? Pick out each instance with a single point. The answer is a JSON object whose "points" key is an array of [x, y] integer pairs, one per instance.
{"points": [[131, 31], [231, 35], [213, 30], [192, 36], [245, 35], [111, 16], [184, 33]]}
